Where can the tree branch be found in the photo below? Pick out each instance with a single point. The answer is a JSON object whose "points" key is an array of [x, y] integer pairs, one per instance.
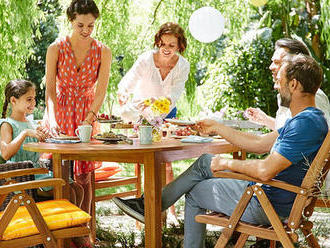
{"points": [[155, 12]]}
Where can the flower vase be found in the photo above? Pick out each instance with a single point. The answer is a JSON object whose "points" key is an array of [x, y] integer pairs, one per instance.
{"points": [[156, 134], [145, 135]]}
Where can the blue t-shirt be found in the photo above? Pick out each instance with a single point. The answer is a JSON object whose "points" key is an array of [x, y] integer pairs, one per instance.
{"points": [[299, 140]]}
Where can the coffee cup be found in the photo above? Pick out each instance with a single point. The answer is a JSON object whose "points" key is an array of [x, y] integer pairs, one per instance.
{"points": [[84, 133]]}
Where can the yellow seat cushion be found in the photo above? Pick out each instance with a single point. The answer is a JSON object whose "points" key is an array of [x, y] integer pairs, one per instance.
{"points": [[57, 214]]}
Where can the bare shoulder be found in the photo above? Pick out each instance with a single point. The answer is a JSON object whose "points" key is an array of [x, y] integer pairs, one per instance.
{"points": [[6, 128], [53, 49], [106, 52]]}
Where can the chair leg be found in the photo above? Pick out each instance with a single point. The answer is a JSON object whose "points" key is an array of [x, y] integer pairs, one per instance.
{"points": [[235, 217], [138, 182], [241, 240], [138, 187], [273, 217], [306, 229], [272, 244]]}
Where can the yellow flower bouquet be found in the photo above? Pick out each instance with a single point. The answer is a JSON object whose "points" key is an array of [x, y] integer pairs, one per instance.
{"points": [[156, 110]]}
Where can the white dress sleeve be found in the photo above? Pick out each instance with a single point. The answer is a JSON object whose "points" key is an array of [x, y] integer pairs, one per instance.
{"points": [[128, 111], [179, 80], [128, 82]]}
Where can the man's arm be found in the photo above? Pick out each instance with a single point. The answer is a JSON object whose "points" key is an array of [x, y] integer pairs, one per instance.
{"points": [[262, 169], [247, 141]]}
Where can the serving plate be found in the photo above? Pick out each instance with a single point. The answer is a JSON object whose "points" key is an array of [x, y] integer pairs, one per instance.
{"points": [[62, 141], [66, 138], [180, 122]]}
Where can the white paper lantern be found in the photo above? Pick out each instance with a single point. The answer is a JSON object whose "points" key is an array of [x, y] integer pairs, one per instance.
{"points": [[206, 24], [258, 3]]}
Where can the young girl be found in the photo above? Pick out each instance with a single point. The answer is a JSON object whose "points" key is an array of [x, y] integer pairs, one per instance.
{"points": [[17, 129]]}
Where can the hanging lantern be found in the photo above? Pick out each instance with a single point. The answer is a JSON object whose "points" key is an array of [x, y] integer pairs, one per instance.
{"points": [[258, 3], [206, 24]]}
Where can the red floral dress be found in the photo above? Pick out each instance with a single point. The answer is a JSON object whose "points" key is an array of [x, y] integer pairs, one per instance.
{"points": [[75, 91]]}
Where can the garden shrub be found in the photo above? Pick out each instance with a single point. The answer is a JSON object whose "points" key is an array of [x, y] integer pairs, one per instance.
{"points": [[240, 77]]}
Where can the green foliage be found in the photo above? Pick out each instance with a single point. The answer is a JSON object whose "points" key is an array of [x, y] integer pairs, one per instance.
{"points": [[240, 78], [17, 22], [325, 19], [48, 31]]}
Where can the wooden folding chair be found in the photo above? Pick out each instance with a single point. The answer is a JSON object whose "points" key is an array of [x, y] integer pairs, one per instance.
{"points": [[121, 181], [49, 230], [285, 232]]}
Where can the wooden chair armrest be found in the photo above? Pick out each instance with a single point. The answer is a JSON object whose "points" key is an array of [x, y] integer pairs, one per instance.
{"points": [[6, 189], [274, 183], [22, 172]]}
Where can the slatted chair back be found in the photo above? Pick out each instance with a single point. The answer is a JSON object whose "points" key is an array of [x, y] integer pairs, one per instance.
{"points": [[311, 184], [24, 178]]}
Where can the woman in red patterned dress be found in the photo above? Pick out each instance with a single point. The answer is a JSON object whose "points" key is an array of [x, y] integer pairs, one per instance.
{"points": [[77, 75]]}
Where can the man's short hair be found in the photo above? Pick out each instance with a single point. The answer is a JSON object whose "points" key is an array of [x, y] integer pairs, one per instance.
{"points": [[293, 46], [304, 69]]}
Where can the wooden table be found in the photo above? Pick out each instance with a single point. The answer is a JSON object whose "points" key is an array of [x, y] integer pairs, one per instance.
{"points": [[152, 156]]}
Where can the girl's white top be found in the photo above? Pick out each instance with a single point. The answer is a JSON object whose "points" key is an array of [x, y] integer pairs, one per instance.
{"points": [[143, 81]]}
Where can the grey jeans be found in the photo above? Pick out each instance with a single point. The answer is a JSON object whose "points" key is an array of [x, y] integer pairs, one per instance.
{"points": [[203, 191]]}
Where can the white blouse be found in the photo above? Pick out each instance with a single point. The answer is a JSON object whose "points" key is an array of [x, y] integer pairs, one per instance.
{"points": [[143, 80], [321, 102]]}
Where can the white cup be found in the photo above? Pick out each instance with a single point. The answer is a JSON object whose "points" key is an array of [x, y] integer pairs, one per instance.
{"points": [[84, 133]]}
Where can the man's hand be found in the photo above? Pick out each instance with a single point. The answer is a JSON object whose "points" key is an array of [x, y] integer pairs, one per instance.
{"points": [[206, 126], [218, 163]]}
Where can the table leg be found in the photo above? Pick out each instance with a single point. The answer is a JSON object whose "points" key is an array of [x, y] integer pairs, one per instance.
{"points": [[93, 211], [57, 171], [152, 200], [58, 191]]}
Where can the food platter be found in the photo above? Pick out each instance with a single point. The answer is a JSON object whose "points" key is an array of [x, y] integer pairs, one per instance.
{"points": [[180, 122], [122, 126], [108, 121], [112, 139], [178, 137]]}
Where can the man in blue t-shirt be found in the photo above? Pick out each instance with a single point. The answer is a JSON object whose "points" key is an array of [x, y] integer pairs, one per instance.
{"points": [[292, 148]]}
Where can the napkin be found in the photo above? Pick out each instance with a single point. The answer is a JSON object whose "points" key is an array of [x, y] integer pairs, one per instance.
{"points": [[196, 139], [62, 141]]}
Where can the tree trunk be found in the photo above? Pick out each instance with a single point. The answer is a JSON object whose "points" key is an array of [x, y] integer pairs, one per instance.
{"points": [[313, 9]]}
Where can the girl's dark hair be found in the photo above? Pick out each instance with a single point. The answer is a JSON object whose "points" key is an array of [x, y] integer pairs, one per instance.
{"points": [[176, 30], [15, 88], [82, 7]]}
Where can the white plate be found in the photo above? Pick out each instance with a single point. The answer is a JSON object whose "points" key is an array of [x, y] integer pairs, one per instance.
{"points": [[180, 122], [66, 138]]}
